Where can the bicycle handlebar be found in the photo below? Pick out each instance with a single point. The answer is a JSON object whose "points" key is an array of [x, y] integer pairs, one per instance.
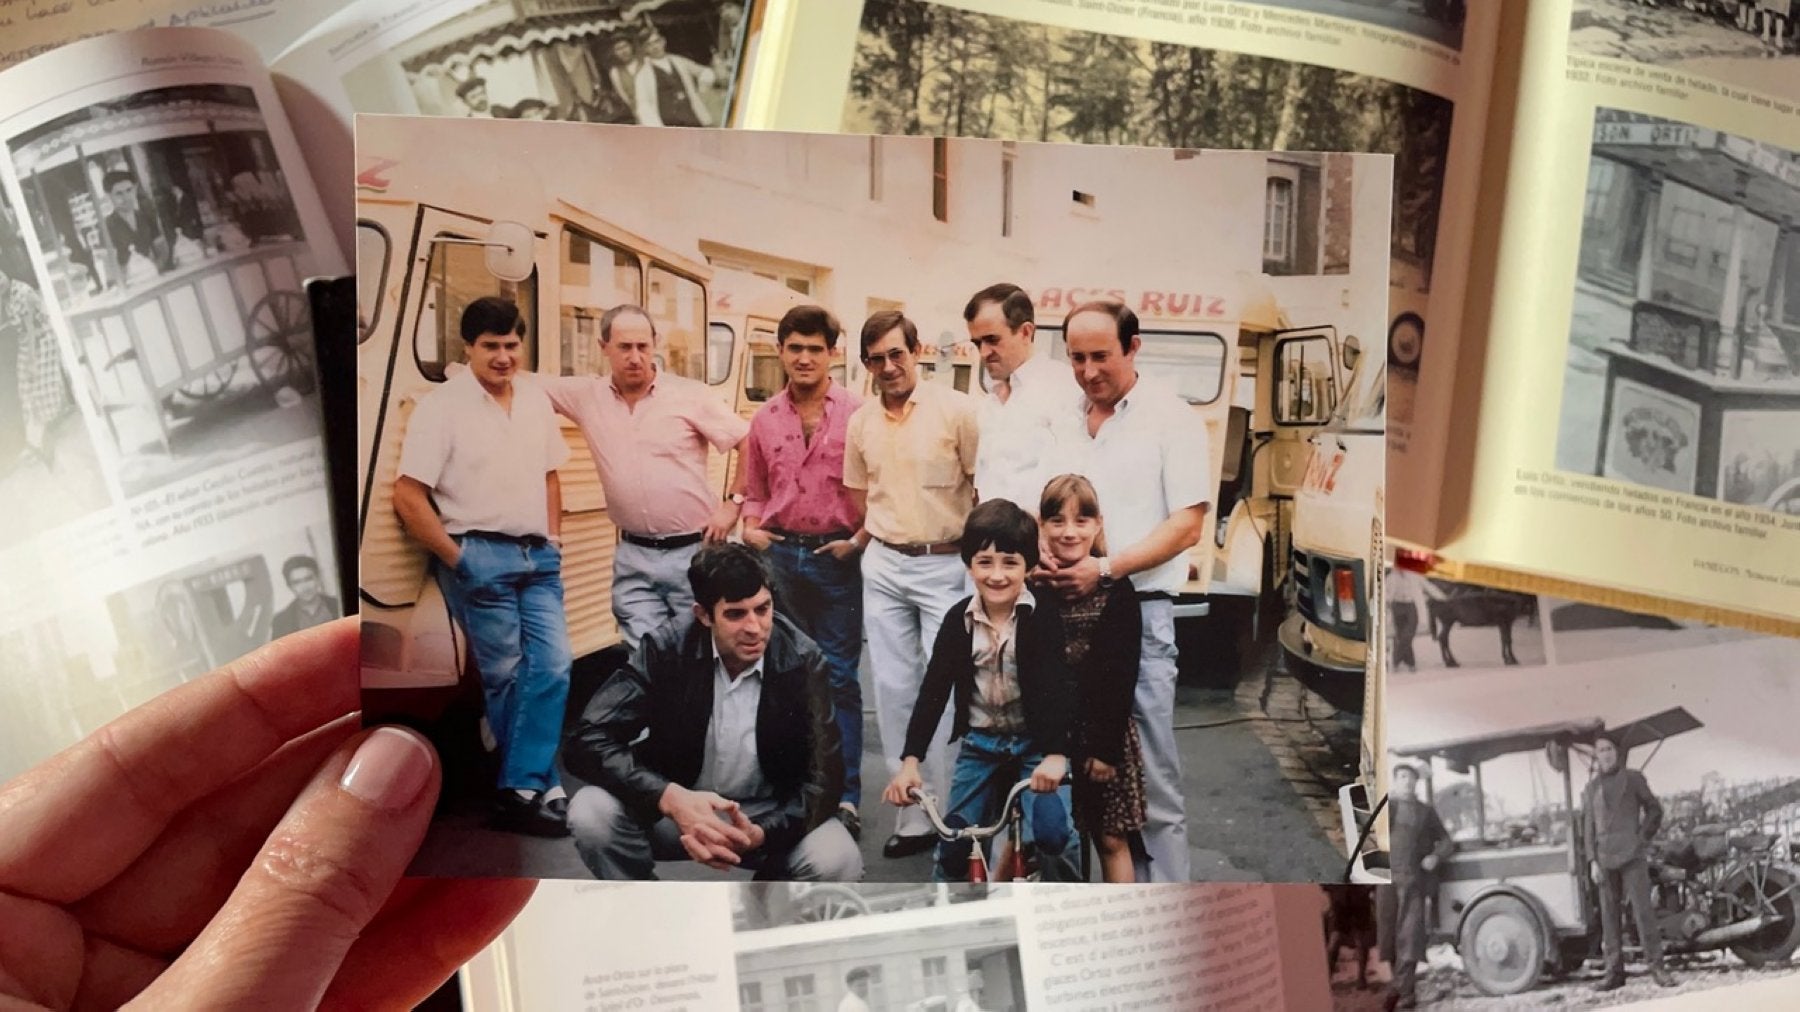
{"points": [[928, 803]]}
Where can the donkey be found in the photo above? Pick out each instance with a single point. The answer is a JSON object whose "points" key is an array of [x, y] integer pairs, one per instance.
{"points": [[1478, 606]]}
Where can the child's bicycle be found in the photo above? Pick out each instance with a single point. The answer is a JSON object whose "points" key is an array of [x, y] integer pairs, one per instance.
{"points": [[1016, 867]]}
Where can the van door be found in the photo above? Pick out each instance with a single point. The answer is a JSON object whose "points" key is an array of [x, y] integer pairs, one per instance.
{"points": [[409, 640], [1301, 381]]}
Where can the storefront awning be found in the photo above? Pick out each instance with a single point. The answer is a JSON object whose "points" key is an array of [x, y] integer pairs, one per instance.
{"points": [[111, 130], [1762, 178]]}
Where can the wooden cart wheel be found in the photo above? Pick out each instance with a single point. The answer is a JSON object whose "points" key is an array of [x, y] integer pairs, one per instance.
{"points": [[279, 335], [1503, 947], [211, 385], [830, 903]]}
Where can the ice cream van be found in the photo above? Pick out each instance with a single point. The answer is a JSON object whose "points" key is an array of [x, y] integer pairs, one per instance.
{"points": [[421, 258]]}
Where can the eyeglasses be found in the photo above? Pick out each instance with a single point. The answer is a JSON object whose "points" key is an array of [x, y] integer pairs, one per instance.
{"points": [[896, 357]]}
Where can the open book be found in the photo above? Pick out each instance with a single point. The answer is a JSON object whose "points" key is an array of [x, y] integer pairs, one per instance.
{"points": [[1594, 331]]}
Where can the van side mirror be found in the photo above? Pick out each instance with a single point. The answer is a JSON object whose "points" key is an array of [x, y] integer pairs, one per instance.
{"points": [[1351, 352], [510, 253]]}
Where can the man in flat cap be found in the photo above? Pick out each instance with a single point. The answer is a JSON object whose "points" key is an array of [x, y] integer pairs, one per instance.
{"points": [[1418, 846], [1619, 817]]}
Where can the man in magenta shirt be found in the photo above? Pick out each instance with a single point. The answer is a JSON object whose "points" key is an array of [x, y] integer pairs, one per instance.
{"points": [[649, 431], [799, 514]]}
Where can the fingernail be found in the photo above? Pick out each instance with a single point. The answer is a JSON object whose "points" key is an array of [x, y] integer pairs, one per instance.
{"points": [[389, 768]]}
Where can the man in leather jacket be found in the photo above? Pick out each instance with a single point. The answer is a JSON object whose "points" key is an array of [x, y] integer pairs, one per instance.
{"points": [[1620, 816], [741, 765]]}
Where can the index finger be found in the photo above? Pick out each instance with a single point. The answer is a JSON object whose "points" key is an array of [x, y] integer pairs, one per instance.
{"points": [[77, 820]]}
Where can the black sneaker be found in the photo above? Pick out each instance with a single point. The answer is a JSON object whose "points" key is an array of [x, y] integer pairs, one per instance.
{"points": [[530, 817], [846, 814]]}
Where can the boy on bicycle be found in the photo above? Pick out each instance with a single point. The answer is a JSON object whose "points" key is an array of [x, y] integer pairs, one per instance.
{"points": [[1001, 658]]}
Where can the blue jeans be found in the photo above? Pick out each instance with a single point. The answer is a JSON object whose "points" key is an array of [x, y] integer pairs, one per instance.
{"points": [[987, 766], [824, 598], [508, 596]]}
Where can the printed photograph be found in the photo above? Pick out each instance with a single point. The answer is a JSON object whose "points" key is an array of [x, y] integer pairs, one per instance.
{"points": [[651, 62], [776, 507], [925, 68], [49, 473], [914, 948], [177, 257], [1684, 344], [1596, 832], [1587, 632], [109, 655], [1436, 623], [1441, 21], [1747, 43]]}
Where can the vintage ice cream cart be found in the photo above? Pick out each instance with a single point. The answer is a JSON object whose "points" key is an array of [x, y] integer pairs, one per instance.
{"points": [[1702, 396], [207, 276]]}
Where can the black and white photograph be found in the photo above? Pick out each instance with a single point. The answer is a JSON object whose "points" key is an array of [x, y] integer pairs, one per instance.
{"points": [[1587, 632], [49, 472], [1748, 43], [650, 62], [1684, 342], [177, 257], [897, 285], [1596, 832], [1440, 21], [912, 948], [1435, 623], [925, 68], [187, 622]]}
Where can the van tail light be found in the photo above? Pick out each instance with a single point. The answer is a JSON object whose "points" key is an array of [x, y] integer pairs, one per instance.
{"points": [[1343, 584]]}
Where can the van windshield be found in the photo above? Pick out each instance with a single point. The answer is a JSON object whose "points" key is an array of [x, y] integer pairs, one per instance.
{"points": [[1193, 362]]}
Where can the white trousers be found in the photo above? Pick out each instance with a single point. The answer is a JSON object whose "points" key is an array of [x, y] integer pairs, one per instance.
{"points": [[904, 601]]}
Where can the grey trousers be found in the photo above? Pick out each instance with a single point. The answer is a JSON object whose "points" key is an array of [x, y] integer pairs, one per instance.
{"points": [[615, 844], [1630, 882], [650, 587], [1153, 708]]}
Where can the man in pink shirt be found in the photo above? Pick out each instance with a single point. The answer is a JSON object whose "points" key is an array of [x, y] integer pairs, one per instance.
{"points": [[798, 513], [649, 431]]}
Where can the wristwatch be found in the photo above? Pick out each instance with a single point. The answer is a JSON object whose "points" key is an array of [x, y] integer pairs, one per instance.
{"points": [[1106, 577], [735, 498]]}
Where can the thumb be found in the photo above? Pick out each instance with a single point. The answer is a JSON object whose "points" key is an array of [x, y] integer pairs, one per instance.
{"points": [[319, 879]]}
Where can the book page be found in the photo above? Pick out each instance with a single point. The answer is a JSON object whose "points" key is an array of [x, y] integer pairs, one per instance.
{"points": [[890, 948], [32, 27], [1641, 369], [1408, 79], [160, 457]]}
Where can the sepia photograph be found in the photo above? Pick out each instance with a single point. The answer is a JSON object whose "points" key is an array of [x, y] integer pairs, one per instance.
{"points": [[772, 397], [917, 948], [1684, 343], [1440, 21], [49, 472], [1748, 43], [177, 257], [651, 62], [925, 68], [1429, 617], [1600, 831]]}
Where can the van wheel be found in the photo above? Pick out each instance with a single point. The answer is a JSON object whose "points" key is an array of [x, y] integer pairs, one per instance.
{"points": [[1502, 946]]}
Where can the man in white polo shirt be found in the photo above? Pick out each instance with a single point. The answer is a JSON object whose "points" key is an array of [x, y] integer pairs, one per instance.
{"points": [[1025, 392], [1146, 451], [485, 446]]}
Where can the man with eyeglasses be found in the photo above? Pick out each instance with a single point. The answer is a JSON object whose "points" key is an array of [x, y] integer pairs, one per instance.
{"points": [[909, 461], [1025, 391]]}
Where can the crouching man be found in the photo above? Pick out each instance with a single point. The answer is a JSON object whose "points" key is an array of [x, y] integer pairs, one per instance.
{"points": [[741, 763]]}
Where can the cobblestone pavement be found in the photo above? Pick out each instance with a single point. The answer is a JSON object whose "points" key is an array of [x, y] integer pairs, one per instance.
{"points": [[1315, 744]]}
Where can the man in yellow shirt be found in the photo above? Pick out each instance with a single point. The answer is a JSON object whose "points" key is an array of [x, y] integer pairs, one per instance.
{"points": [[909, 461]]}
